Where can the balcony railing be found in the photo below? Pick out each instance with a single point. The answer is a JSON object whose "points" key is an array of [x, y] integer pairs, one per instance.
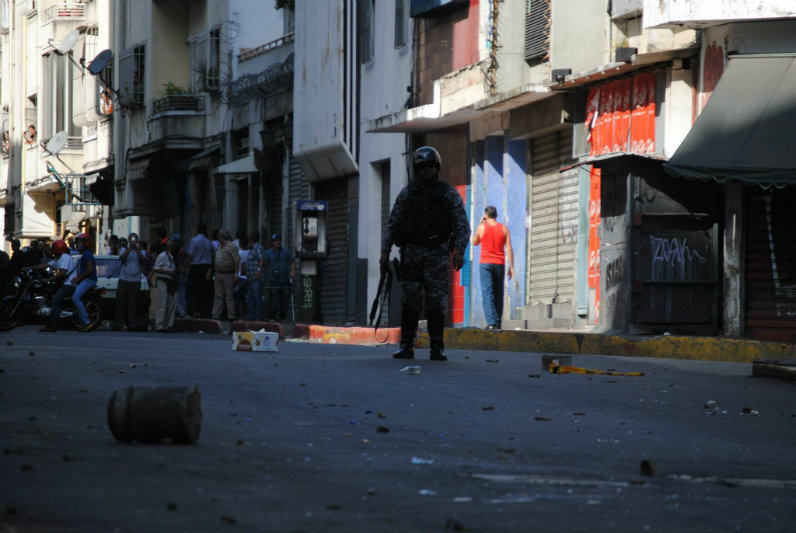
{"points": [[178, 103], [65, 11]]}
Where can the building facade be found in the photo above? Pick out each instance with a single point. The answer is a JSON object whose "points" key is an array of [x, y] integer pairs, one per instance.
{"points": [[45, 89]]}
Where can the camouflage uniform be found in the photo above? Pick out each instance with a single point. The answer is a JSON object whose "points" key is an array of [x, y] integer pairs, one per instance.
{"points": [[425, 268]]}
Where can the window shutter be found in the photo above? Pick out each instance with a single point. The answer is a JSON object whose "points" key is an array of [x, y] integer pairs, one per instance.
{"points": [[537, 30], [126, 69]]}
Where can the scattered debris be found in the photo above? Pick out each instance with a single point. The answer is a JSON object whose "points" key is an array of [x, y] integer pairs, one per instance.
{"points": [[226, 519], [542, 418], [151, 414], [365, 441], [427, 492], [68, 457], [547, 360], [383, 429], [9, 343], [421, 461], [493, 360], [534, 375], [333, 506], [579, 413], [453, 525], [488, 408], [26, 467], [121, 371], [463, 499], [171, 506], [302, 384], [132, 365], [82, 391], [381, 415], [11, 510], [31, 353], [647, 468], [240, 442], [636, 481], [749, 411], [557, 368], [14, 450], [371, 492], [411, 370]]}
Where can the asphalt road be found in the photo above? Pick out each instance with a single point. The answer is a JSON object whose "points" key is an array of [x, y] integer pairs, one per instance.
{"points": [[290, 441]]}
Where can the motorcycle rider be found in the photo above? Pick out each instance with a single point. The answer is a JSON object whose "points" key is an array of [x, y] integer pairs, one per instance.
{"points": [[82, 278]]}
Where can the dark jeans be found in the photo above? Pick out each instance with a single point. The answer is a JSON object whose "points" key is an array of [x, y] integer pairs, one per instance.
{"points": [[127, 301], [278, 294], [198, 291], [64, 293], [254, 297], [492, 292]]}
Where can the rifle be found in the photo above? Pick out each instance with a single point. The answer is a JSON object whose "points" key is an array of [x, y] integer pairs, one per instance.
{"points": [[382, 299]]}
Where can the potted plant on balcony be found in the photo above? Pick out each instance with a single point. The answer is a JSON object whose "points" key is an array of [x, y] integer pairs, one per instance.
{"points": [[173, 97]]}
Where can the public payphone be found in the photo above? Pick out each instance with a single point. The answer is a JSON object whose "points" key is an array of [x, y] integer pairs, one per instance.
{"points": [[309, 225]]}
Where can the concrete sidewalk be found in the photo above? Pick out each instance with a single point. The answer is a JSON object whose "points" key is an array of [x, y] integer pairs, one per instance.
{"points": [[698, 348]]}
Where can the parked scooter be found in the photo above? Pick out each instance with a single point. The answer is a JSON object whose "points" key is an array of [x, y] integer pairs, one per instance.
{"points": [[29, 296]]}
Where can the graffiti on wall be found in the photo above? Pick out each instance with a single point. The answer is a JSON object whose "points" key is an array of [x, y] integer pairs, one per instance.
{"points": [[614, 273], [673, 260], [712, 69]]}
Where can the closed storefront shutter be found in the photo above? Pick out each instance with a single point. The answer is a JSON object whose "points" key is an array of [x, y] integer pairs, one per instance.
{"points": [[299, 190], [334, 276], [554, 217], [771, 263]]}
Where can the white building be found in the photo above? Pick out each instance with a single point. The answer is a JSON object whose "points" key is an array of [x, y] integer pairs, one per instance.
{"points": [[43, 92]]}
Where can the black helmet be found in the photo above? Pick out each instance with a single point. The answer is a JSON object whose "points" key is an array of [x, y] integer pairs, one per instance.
{"points": [[426, 154]]}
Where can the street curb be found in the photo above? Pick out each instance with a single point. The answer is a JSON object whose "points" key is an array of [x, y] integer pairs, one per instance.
{"points": [[697, 348], [768, 368], [346, 335]]}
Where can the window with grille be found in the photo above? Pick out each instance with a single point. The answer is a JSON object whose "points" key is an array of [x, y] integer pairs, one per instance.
{"points": [[132, 76], [537, 30], [400, 23], [366, 30], [240, 143], [206, 53]]}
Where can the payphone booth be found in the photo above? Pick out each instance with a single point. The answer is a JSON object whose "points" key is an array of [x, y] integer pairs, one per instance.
{"points": [[309, 241]]}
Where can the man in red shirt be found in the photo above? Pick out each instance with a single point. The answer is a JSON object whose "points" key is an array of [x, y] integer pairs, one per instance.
{"points": [[493, 237]]}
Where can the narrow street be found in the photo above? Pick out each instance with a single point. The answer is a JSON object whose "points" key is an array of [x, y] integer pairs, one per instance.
{"points": [[484, 442]]}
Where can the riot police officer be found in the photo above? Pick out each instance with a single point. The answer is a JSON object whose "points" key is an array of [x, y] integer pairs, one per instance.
{"points": [[427, 222]]}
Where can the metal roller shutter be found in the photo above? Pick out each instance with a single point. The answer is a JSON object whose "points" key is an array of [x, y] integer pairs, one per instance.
{"points": [[386, 207], [334, 277], [771, 264], [554, 220], [299, 190]]}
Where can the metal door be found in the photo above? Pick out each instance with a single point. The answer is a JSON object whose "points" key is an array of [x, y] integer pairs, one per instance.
{"points": [[771, 263], [675, 239], [334, 275], [552, 235]]}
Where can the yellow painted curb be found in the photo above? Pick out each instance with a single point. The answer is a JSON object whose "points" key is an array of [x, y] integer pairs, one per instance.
{"points": [[698, 348]]}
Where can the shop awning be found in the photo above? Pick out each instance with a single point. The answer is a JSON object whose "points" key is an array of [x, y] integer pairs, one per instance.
{"points": [[745, 131], [243, 165]]}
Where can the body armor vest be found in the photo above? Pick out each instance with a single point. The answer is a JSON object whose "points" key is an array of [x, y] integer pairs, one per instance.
{"points": [[426, 221]]}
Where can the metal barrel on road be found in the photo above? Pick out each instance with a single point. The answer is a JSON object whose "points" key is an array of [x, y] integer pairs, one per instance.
{"points": [[154, 414]]}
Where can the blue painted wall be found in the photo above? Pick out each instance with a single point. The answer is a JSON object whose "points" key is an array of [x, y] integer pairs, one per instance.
{"points": [[516, 214], [499, 179]]}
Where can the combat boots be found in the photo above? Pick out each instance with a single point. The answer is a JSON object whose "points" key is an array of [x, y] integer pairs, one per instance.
{"points": [[408, 331], [436, 329]]}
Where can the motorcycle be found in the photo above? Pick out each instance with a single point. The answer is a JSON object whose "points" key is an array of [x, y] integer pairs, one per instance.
{"points": [[29, 298]]}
